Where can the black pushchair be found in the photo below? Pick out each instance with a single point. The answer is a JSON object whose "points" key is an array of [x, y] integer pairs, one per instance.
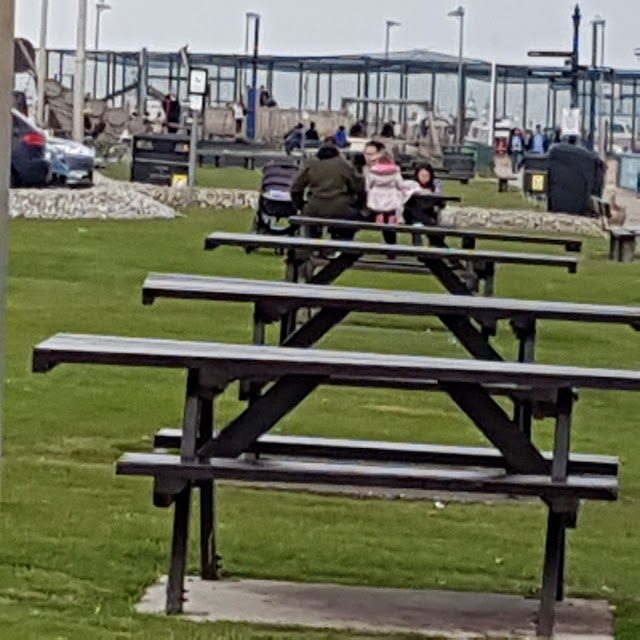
{"points": [[274, 203]]}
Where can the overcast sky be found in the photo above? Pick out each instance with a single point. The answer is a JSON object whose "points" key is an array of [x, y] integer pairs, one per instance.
{"points": [[503, 30]]}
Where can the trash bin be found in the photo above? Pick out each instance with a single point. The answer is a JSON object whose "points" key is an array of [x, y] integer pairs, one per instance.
{"points": [[459, 165], [536, 174], [575, 174], [160, 159]]}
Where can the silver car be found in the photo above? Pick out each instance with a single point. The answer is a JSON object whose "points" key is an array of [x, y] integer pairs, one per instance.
{"points": [[73, 163]]}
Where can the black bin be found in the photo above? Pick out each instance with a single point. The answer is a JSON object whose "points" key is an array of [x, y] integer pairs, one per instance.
{"points": [[157, 158], [459, 165], [536, 174], [575, 174]]}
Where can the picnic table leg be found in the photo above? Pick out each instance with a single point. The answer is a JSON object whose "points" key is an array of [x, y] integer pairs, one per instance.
{"points": [[523, 412], [555, 549], [489, 279], [210, 561], [469, 243], [179, 550], [248, 390]]}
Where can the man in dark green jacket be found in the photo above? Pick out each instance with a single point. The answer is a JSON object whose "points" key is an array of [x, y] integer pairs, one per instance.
{"points": [[332, 186]]}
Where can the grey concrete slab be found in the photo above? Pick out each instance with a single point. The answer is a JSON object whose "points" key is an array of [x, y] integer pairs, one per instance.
{"points": [[364, 609]]}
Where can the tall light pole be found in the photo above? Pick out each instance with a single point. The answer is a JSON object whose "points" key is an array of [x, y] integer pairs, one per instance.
{"points": [[596, 106], [42, 61], [390, 24], [249, 17], [253, 98], [7, 21], [459, 13], [101, 7], [79, 82]]}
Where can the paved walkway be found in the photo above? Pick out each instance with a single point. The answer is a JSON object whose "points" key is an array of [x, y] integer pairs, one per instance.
{"points": [[444, 614]]}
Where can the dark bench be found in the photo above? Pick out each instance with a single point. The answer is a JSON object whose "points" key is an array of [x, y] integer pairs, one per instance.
{"points": [[459, 271], [376, 451], [622, 243], [206, 457], [384, 476], [469, 237]]}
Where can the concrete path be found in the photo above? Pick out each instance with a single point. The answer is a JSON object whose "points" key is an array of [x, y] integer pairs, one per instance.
{"points": [[444, 614]]}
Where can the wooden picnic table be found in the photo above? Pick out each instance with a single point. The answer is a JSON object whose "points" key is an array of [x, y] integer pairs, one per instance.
{"points": [[464, 316], [469, 237], [208, 454], [459, 271]]}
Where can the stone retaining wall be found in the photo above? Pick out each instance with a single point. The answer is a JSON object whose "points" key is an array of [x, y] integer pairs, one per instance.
{"points": [[123, 200]]}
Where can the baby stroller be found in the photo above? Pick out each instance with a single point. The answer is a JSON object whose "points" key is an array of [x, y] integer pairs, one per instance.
{"points": [[275, 202]]}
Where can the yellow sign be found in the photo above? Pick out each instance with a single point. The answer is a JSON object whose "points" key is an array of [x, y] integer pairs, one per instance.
{"points": [[179, 180], [538, 182]]}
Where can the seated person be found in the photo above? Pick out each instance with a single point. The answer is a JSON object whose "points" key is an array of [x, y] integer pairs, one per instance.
{"points": [[358, 130], [312, 133], [420, 211], [328, 186], [388, 130], [293, 139], [340, 137]]}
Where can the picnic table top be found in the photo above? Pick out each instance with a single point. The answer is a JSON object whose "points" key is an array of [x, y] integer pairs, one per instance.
{"points": [[378, 301], [219, 238], [238, 361], [571, 244]]}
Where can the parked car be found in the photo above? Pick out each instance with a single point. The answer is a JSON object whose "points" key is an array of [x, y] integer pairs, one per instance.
{"points": [[72, 163], [29, 164]]}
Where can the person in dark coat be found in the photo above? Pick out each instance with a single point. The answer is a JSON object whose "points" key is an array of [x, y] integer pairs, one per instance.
{"points": [[312, 133], [328, 186], [172, 110]]}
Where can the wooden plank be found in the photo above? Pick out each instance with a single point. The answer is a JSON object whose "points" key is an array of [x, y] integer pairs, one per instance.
{"points": [[409, 453], [397, 477], [411, 303], [427, 254], [570, 244], [242, 361]]}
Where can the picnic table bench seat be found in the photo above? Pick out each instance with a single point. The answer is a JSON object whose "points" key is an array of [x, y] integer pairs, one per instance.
{"points": [[469, 237], [408, 453], [622, 243], [288, 295], [367, 475], [220, 239]]}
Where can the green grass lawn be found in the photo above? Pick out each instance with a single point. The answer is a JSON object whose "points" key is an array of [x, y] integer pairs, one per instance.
{"points": [[478, 193], [79, 545]]}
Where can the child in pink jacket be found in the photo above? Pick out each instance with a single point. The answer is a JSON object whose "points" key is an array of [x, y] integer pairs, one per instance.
{"points": [[386, 193]]}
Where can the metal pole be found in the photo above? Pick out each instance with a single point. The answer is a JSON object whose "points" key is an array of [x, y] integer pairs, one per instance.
{"points": [[575, 58], [593, 101], [80, 75], [459, 13], [492, 102], [42, 62], [387, 47], [253, 102], [7, 19]]}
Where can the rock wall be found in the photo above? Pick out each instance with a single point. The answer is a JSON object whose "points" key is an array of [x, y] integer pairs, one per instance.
{"points": [[110, 199]]}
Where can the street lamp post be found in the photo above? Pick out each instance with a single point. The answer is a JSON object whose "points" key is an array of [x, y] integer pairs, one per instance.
{"points": [[387, 47], [79, 82], [459, 13], [42, 62], [101, 7], [596, 87], [253, 98]]}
